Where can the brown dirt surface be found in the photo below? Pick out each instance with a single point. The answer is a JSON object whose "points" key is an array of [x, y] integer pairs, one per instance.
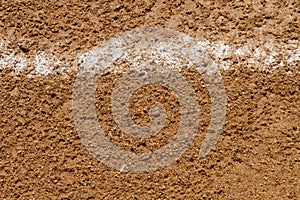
{"points": [[256, 157]]}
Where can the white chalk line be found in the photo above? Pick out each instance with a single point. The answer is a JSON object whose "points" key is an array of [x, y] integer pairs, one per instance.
{"points": [[266, 56]]}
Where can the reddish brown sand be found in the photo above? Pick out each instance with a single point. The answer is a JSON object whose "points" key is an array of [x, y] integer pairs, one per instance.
{"points": [[42, 157]]}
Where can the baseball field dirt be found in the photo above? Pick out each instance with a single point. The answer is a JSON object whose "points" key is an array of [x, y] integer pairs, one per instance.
{"points": [[255, 45]]}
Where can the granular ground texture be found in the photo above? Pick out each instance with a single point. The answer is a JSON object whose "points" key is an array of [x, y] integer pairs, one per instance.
{"points": [[257, 155]]}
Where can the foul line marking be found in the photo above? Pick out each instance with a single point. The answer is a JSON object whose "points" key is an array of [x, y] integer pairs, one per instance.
{"points": [[266, 56]]}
